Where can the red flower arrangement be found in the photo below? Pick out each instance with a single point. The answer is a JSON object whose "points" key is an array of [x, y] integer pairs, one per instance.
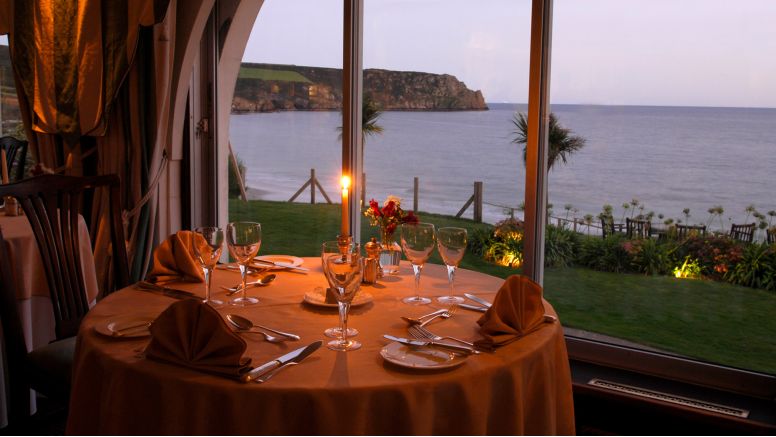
{"points": [[390, 216]]}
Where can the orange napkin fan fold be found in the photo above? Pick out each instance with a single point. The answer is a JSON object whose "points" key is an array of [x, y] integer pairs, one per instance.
{"points": [[517, 310], [192, 334], [175, 261]]}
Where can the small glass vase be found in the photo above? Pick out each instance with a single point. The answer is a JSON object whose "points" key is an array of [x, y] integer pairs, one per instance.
{"points": [[390, 253]]}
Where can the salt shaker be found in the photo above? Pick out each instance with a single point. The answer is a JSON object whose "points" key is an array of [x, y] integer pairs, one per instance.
{"points": [[372, 262]]}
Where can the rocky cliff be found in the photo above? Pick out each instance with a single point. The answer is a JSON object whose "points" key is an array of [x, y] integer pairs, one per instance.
{"points": [[273, 87]]}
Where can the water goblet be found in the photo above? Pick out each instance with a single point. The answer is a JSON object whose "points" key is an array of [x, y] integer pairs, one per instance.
{"points": [[345, 271], [243, 240], [333, 248], [451, 243], [417, 241], [206, 246]]}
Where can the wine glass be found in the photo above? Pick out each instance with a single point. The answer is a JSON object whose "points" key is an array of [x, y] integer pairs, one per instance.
{"points": [[333, 248], [345, 271], [243, 240], [451, 243], [417, 240], [206, 247]]}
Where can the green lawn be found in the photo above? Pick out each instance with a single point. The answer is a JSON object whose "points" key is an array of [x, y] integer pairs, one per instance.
{"points": [[267, 74], [711, 321]]}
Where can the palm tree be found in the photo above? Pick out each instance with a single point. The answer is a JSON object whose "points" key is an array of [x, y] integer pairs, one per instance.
{"points": [[370, 112], [562, 142]]}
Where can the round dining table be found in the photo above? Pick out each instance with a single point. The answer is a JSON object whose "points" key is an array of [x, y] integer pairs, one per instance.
{"points": [[521, 388]]}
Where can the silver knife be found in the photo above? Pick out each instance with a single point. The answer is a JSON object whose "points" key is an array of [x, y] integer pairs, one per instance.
{"points": [[477, 299], [167, 291], [452, 347], [282, 265], [473, 307], [294, 356]]}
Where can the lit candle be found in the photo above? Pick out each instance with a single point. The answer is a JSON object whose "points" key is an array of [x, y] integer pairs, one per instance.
{"points": [[345, 211], [4, 163]]}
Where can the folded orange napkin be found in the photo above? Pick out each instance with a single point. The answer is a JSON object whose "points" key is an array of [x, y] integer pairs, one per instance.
{"points": [[174, 260], [192, 334], [517, 310]]}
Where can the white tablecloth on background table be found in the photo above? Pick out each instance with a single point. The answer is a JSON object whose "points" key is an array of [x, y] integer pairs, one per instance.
{"points": [[32, 292]]}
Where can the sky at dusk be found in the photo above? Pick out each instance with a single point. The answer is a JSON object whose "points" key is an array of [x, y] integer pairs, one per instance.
{"points": [[611, 52], [635, 52]]}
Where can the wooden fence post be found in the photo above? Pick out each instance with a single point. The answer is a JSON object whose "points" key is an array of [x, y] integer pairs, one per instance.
{"points": [[415, 191], [312, 186], [478, 202], [312, 182]]}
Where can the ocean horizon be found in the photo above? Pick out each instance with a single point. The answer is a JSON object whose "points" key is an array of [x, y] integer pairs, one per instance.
{"points": [[668, 157]]}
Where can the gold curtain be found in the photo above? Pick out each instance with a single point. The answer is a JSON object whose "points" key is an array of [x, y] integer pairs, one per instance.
{"points": [[79, 74], [71, 56]]}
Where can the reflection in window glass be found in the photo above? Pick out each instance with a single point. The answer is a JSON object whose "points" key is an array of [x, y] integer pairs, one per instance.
{"points": [[662, 219]]}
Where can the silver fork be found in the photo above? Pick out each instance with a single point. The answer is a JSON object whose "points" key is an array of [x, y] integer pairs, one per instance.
{"points": [[420, 332], [445, 315]]}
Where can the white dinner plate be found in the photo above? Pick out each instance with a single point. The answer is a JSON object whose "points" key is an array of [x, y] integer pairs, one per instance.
{"points": [[294, 261], [128, 326], [420, 357], [317, 297]]}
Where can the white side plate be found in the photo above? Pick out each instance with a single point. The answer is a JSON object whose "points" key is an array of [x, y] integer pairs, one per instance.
{"points": [[420, 357]]}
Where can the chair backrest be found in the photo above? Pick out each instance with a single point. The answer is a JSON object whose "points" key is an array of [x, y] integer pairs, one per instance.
{"points": [[635, 228], [743, 233], [15, 154], [771, 235], [684, 231], [52, 204], [18, 390]]}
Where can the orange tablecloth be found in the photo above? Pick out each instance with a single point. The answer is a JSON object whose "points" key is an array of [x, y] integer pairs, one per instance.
{"points": [[523, 388]]}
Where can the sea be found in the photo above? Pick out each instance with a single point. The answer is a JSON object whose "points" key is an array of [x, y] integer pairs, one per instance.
{"points": [[665, 159]]}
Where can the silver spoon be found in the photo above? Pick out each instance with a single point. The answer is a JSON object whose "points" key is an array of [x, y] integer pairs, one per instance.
{"points": [[421, 319], [258, 283], [244, 324]]}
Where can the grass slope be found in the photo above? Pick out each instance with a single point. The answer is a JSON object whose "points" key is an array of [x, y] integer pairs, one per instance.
{"points": [[711, 321], [266, 74]]}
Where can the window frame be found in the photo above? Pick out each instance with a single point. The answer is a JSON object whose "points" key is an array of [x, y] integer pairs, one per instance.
{"points": [[670, 367]]}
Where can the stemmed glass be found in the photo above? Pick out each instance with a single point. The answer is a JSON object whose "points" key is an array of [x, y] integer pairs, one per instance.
{"points": [[243, 240], [451, 243], [417, 240], [345, 271], [206, 248], [333, 248]]}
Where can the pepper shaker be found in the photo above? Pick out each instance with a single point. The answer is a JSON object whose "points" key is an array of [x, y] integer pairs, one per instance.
{"points": [[372, 262]]}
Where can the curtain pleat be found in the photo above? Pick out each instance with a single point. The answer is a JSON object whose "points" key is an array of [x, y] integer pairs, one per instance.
{"points": [[86, 67]]}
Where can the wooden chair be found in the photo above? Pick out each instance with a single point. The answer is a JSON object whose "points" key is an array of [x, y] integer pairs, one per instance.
{"points": [[684, 231], [15, 154], [52, 204], [743, 233], [46, 369], [637, 228], [771, 236]]}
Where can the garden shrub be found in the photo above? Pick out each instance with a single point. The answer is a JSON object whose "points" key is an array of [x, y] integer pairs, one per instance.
{"points": [[479, 240], [560, 247], [649, 257], [715, 254], [756, 268], [604, 254]]}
